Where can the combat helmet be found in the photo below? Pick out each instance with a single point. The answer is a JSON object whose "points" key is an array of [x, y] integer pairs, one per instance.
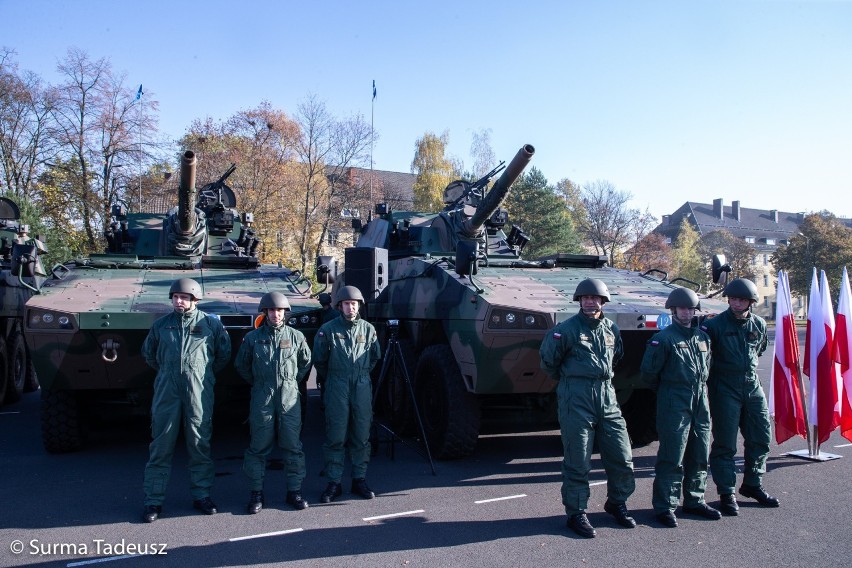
{"points": [[349, 293], [324, 299], [592, 287], [272, 300], [186, 286], [742, 288], [683, 298]]}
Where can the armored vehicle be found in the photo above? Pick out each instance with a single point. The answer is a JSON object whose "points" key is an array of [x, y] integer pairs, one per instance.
{"points": [[472, 313], [21, 276], [87, 326]]}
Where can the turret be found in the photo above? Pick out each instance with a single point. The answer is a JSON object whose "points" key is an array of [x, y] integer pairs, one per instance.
{"points": [[498, 193], [186, 193]]}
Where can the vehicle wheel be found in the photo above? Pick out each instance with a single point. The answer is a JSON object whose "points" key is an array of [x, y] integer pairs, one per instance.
{"points": [[640, 413], [61, 428], [449, 413], [4, 372], [17, 365], [31, 383]]}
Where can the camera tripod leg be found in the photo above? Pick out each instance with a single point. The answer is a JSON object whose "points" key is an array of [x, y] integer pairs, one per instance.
{"points": [[394, 356]]}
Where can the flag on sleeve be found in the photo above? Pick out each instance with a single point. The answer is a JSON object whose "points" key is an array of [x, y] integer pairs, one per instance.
{"points": [[374, 89], [843, 354], [139, 92], [785, 400], [823, 411]]}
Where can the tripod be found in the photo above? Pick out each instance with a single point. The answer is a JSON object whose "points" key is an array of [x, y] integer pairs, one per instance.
{"points": [[393, 356]]}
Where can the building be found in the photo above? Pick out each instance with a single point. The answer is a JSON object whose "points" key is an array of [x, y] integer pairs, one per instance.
{"points": [[765, 230]]}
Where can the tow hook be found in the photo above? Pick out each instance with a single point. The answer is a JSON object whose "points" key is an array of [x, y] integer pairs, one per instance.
{"points": [[110, 345]]}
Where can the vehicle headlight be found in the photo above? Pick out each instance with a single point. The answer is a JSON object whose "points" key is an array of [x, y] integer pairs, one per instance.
{"points": [[43, 319], [505, 319]]}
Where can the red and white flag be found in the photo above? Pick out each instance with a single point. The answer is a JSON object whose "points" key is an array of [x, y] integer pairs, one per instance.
{"points": [[843, 354], [785, 400], [823, 399]]}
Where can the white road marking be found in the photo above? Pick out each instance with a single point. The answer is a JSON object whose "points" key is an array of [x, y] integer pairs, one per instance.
{"points": [[263, 535], [393, 515], [843, 446], [98, 560], [500, 499], [11, 412], [597, 483]]}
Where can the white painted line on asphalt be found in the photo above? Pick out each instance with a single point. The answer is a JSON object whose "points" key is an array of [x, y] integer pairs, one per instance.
{"points": [[523, 461], [843, 446], [263, 535], [501, 498], [98, 560], [393, 515], [597, 483], [11, 412]]}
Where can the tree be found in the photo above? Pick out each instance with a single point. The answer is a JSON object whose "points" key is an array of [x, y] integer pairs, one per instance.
{"points": [[824, 243], [434, 171], [24, 113], [686, 260], [738, 254], [649, 252], [535, 207], [607, 223], [483, 155], [93, 124]]}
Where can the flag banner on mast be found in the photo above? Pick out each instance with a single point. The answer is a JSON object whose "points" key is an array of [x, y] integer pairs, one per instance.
{"points": [[823, 411], [843, 354], [785, 400]]}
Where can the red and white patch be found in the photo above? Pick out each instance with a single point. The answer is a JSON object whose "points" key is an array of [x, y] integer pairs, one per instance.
{"points": [[557, 335]]}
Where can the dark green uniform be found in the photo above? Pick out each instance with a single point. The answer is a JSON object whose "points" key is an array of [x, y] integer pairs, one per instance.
{"points": [[580, 353], [186, 350], [272, 360], [736, 399], [344, 353], [677, 363]]}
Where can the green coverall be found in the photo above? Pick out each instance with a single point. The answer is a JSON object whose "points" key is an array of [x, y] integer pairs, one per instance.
{"points": [[273, 360], [736, 399], [676, 363], [580, 353], [345, 352], [186, 350]]}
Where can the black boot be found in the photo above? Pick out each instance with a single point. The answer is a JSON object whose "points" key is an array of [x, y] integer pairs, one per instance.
{"points": [[360, 487], [668, 519], [619, 511], [332, 492], [255, 503], [703, 510], [580, 524], [151, 513], [295, 499], [728, 505], [205, 505], [757, 493]]}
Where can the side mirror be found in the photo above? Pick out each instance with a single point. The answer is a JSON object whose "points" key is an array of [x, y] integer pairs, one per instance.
{"points": [[720, 267], [466, 254], [326, 269]]}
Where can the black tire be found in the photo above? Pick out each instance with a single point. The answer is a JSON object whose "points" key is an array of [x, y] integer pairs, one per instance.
{"points": [[4, 372], [640, 413], [17, 365], [450, 414], [61, 425], [31, 383]]}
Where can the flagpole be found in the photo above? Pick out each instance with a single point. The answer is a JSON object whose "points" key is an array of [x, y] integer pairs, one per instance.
{"points": [[372, 115], [141, 118]]}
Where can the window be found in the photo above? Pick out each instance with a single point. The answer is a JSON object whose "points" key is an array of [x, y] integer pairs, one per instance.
{"points": [[668, 240], [750, 240], [765, 261], [765, 277], [333, 237], [770, 241], [765, 302]]}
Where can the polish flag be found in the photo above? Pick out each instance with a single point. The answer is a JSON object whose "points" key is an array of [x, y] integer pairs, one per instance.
{"points": [[785, 400], [843, 355], [823, 407]]}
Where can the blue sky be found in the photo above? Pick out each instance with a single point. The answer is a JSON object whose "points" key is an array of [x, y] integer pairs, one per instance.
{"points": [[671, 101]]}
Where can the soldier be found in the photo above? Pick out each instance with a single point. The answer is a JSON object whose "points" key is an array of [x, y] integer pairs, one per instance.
{"points": [[273, 359], [676, 364], [328, 313], [186, 348], [737, 401], [580, 353], [345, 351]]}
